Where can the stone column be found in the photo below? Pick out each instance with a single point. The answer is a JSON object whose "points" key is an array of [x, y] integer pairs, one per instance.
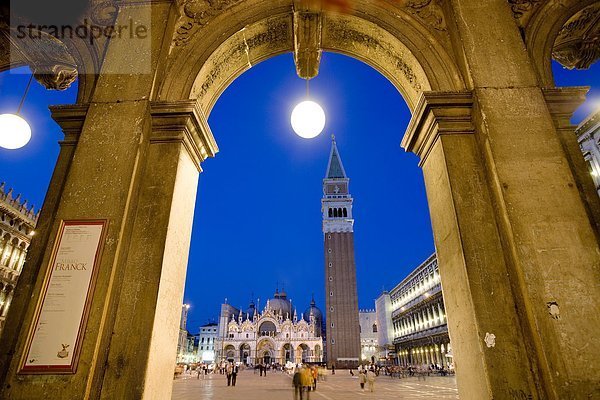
{"points": [[145, 332], [549, 243], [105, 175], [562, 103], [470, 253]]}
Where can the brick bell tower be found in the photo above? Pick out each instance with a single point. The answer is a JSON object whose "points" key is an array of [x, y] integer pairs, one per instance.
{"points": [[343, 332]]}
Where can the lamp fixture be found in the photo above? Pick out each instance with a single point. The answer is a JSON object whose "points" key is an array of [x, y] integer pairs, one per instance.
{"points": [[308, 118], [15, 132]]}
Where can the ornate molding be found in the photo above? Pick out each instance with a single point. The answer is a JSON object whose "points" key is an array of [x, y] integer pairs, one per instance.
{"points": [[436, 114], [240, 49], [578, 42], [183, 122], [195, 14], [429, 11], [341, 31]]}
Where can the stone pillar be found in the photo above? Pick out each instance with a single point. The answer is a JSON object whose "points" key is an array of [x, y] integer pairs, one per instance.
{"points": [[145, 333], [470, 253], [562, 103], [138, 171], [549, 243]]}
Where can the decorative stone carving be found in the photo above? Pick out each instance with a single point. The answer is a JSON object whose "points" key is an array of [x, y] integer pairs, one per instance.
{"points": [[194, 14], [522, 9], [275, 33], [307, 43], [104, 12], [343, 32], [49, 59], [429, 11], [578, 42]]}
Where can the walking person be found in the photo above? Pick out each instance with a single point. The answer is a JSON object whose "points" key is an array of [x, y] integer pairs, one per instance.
{"points": [[315, 375], [362, 379], [297, 382], [228, 372], [371, 380], [234, 372], [306, 381]]}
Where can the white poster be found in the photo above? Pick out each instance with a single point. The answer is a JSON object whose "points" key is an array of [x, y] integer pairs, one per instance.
{"points": [[60, 320]]}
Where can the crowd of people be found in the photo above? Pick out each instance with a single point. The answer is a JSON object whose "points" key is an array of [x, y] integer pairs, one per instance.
{"points": [[305, 377]]}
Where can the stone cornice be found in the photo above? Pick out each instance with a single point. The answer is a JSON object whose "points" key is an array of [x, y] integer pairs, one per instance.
{"points": [[71, 119], [183, 121], [437, 113], [562, 103]]}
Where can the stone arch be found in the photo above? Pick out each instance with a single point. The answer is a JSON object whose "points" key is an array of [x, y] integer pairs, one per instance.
{"points": [[542, 30], [408, 54]]}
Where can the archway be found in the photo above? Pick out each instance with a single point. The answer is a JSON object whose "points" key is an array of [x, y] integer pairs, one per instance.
{"points": [[303, 354], [245, 353], [287, 353], [497, 249], [230, 355]]}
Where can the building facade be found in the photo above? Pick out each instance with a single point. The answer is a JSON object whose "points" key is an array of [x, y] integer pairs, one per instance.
{"points": [[184, 353], [342, 325], [385, 331], [17, 224], [207, 341], [418, 318], [588, 136], [277, 334], [369, 328]]}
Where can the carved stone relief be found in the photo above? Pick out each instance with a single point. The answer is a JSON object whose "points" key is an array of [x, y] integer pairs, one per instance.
{"points": [[194, 14], [429, 11], [237, 52], [342, 32], [578, 42], [522, 9]]}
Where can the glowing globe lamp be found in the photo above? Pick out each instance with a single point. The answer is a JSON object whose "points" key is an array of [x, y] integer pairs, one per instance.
{"points": [[308, 119], [14, 131]]}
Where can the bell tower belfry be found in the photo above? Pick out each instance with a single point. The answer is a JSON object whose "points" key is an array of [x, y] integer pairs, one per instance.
{"points": [[343, 334]]}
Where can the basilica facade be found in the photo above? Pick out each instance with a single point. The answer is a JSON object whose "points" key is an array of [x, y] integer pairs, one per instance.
{"points": [[277, 334]]}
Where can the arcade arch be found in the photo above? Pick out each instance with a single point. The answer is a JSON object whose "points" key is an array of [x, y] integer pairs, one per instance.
{"points": [[465, 84]]}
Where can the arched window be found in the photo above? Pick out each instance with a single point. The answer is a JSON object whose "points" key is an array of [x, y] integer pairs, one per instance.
{"points": [[330, 213], [374, 328], [339, 212], [345, 212], [335, 214]]}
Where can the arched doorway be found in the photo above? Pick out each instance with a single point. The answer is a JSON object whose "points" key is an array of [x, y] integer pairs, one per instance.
{"points": [[287, 353], [265, 351], [229, 352], [245, 353], [498, 251], [303, 354]]}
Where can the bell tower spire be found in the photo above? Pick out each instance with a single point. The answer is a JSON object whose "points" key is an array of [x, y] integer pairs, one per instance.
{"points": [[343, 335]]}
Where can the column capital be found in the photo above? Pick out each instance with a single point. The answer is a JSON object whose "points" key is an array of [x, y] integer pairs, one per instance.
{"points": [[437, 113], [183, 121], [70, 117]]}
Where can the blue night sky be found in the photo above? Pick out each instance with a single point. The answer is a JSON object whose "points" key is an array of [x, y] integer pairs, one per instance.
{"points": [[258, 219]]}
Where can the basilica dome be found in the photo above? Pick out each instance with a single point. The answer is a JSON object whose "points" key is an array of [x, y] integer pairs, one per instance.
{"points": [[250, 310], [314, 311], [280, 304]]}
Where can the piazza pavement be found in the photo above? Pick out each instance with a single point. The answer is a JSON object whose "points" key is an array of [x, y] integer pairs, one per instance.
{"points": [[341, 386]]}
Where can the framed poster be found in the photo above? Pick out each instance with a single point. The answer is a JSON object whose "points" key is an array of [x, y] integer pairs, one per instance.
{"points": [[55, 339]]}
